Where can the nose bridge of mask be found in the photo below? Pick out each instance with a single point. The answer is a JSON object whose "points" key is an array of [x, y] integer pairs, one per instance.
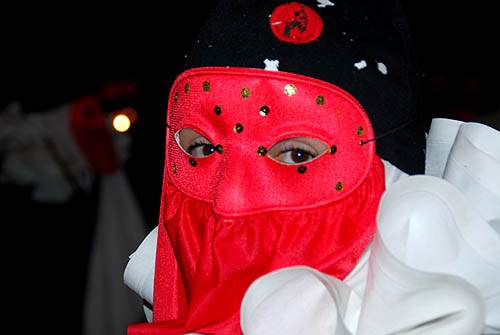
{"points": [[243, 112]]}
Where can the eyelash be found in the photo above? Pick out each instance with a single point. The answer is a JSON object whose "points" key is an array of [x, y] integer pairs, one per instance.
{"points": [[296, 146], [200, 141]]}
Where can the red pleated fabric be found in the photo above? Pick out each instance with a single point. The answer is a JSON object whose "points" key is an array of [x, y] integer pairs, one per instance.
{"points": [[205, 263]]}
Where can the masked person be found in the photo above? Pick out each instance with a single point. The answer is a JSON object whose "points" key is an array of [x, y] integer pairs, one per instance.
{"points": [[283, 131]]}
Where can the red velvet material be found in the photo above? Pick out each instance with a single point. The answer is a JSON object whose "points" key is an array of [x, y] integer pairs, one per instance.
{"points": [[236, 216]]}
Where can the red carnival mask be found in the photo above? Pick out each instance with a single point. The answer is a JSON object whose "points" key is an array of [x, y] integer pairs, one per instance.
{"points": [[263, 170]]}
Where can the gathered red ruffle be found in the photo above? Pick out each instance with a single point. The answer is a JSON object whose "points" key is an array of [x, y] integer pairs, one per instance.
{"points": [[206, 262]]}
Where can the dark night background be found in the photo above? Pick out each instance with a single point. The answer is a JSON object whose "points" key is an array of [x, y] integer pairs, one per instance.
{"points": [[49, 56]]}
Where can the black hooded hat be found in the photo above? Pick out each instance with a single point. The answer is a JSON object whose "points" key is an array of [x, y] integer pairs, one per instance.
{"points": [[364, 47]]}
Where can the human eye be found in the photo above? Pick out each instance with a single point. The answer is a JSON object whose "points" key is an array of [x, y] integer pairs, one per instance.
{"points": [[297, 150], [194, 143]]}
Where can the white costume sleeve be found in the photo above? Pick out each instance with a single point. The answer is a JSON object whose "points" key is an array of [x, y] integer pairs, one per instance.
{"points": [[140, 271]]}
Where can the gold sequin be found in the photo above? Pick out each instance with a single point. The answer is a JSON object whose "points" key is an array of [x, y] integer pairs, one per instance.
{"points": [[174, 169], [301, 169], [264, 110], [217, 110], [206, 86], [333, 149], [320, 100], [290, 90], [261, 151], [245, 93], [361, 131], [238, 128], [176, 96], [186, 88], [339, 186]]}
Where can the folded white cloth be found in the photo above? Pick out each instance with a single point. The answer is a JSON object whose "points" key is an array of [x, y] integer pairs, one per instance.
{"points": [[428, 225], [468, 156], [139, 274], [140, 271], [473, 167], [298, 300], [440, 140]]}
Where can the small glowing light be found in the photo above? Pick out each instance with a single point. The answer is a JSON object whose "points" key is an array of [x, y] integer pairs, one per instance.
{"points": [[121, 123]]}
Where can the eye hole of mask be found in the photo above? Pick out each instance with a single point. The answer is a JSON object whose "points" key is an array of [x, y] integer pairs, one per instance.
{"points": [[194, 143], [297, 150]]}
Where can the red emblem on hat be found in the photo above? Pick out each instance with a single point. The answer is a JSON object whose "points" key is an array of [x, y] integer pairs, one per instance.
{"points": [[296, 23]]}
